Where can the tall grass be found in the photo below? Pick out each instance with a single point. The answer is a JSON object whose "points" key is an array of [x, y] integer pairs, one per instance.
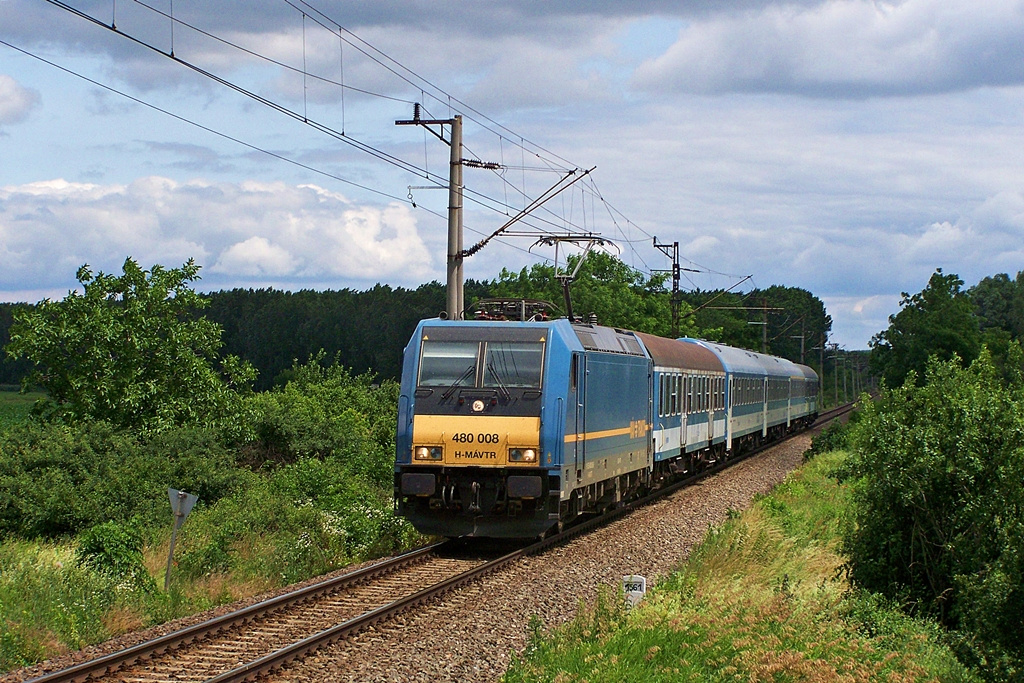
{"points": [[763, 598], [48, 602]]}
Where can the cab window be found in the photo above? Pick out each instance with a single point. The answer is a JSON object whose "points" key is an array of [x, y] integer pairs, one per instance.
{"points": [[513, 364], [443, 363]]}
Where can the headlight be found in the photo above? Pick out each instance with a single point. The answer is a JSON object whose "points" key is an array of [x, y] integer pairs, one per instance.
{"points": [[522, 455], [427, 453]]}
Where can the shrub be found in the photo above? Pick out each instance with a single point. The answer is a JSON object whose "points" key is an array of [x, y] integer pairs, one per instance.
{"points": [[303, 519], [939, 505], [833, 438], [58, 480], [323, 411], [116, 549]]}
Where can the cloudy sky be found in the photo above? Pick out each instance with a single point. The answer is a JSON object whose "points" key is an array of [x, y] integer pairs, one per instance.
{"points": [[849, 147]]}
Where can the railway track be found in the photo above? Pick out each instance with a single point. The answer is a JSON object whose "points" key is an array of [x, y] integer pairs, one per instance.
{"points": [[262, 638]]}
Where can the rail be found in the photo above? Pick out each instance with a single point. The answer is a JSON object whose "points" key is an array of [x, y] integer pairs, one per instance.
{"points": [[110, 664]]}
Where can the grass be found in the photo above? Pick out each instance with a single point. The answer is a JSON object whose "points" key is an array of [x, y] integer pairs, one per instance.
{"points": [[50, 603], [15, 406], [762, 599]]}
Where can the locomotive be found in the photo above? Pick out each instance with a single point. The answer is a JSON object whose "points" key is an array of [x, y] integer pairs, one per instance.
{"points": [[512, 429]]}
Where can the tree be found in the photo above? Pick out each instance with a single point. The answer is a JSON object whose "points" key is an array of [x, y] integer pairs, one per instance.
{"points": [[129, 350], [999, 303], [617, 294], [938, 321], [723, 317], [938, 507]]}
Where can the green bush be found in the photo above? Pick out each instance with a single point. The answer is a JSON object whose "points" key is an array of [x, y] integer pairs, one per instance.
{"points": [[834, 437], [939, 506], [116, 549], [324, 411], [303, 519], [58, 480]]}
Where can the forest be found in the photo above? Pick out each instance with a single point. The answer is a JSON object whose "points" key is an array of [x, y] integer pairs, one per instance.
{"points": [[366, 331]]}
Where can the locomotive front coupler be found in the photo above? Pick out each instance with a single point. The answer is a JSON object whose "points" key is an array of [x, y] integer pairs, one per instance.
{"points": [[474, 507]]}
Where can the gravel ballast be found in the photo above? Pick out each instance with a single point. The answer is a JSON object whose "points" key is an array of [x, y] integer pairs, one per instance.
{"points": [[470, 634]]}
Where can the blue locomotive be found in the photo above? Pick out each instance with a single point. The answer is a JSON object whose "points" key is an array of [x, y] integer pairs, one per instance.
{"points": [[509, 429]]}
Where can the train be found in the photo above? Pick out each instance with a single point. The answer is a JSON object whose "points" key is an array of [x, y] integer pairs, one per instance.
{"points": [[515, 429]]}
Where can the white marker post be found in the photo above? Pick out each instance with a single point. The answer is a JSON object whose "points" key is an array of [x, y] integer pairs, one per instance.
{"points": [[181, 504], [634, 588]]}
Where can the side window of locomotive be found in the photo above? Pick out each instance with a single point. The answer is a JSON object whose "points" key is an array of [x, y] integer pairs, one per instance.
{"points": [[513, 364], [443, 363]]}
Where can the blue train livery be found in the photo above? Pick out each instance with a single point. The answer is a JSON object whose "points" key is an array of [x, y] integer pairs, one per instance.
{"points": [[512, 429]]}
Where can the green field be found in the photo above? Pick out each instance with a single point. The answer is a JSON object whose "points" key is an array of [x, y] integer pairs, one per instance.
{"points": [[15, 406]]}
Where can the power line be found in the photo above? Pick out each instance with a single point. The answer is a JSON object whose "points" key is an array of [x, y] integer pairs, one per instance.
{"points": [[257, 55], [249, 145], [450, 98], [473, 195], [196, 124], [550, 161]]}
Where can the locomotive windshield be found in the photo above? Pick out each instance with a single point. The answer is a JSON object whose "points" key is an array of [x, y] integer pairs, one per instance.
{"points": [[513, 364], [505, 364], [443, 363]]}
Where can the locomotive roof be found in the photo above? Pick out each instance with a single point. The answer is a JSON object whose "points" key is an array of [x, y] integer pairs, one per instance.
{"points": [[612, 340], [676, 354]]}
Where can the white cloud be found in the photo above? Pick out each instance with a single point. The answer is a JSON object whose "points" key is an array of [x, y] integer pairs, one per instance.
{"points": [[249, 231], [847, 48], [1003, 211], [16, 101], [862, 317], [256, 257]]}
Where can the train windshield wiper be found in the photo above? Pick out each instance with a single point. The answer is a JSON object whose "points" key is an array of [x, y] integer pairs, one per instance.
{"points": [[502, 389], [462, 378]]}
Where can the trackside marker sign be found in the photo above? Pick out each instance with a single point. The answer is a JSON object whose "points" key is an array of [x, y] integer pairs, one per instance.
{"points": [[634, 588], [181, 504]]}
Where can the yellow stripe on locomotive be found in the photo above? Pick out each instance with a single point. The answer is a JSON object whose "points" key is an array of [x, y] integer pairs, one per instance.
{"points": [[484, 441]]}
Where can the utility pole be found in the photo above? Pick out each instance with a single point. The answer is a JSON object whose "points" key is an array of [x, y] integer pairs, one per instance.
{"points": [[456, 302], [672, 251], [802, 339], [846, 366], [824, 339], [764, 325], [835, 370]]}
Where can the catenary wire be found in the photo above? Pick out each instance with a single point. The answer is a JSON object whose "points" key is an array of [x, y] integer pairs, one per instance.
{"points": [[249, 145], [474, 196]]}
